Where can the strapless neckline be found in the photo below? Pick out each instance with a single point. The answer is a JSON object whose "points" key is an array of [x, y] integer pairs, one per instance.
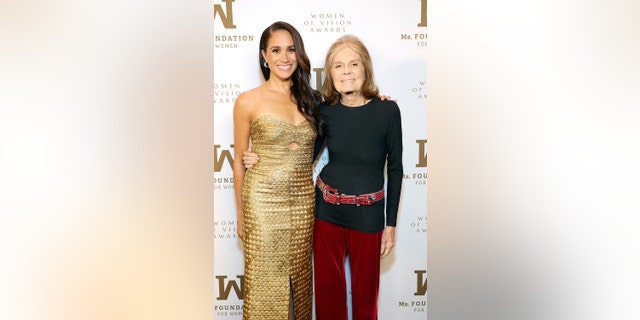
{"points": [[279, 119]]}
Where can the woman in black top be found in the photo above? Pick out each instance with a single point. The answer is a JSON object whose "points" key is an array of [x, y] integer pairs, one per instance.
{"points": [[363, 134]]}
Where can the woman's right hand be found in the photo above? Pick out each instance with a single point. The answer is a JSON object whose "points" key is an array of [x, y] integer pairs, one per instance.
{"points": [[249, 159]]}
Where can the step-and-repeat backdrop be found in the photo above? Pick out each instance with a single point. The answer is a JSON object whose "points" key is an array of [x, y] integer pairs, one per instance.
{"points": [[395, 32]]}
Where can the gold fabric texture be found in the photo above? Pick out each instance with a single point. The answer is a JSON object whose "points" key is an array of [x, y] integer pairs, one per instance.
{"points": [[278, 212]]}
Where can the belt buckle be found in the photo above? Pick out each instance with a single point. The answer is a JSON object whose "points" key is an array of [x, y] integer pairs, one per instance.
{"points": [[370, 199], [367, 200]]}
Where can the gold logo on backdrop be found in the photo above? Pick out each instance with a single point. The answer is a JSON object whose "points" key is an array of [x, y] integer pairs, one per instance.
{"points": [[219, 158], [419, 37], [423, 11], [319, 72], [227, 41], [419, 304], [419, 177], [224, 287], [225, 17], [422, 153], [421, 288]]}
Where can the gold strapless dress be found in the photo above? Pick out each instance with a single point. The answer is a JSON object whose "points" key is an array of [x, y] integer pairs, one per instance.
{"points": [[278, 211]]}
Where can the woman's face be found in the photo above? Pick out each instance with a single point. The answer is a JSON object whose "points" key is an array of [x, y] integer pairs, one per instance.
{"points": [[280, 54], [347, 71]]}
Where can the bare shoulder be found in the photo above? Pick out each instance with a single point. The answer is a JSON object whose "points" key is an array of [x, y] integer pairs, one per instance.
{"points": [[248, 101], [248, 97]]}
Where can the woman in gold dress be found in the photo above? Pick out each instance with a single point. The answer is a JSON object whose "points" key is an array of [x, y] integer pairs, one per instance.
{"points": [[275, 198]]}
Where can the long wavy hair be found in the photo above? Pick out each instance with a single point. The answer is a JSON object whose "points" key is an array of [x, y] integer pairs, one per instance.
{"points": [[369, 87], [304, 96]]}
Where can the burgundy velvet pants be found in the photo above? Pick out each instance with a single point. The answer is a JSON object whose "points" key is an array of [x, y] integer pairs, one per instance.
{"points": [[331, 244]]}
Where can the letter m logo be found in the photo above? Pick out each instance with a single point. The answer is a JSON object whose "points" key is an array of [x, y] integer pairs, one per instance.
{"points": [[226, 18], [224, 287], [421, 288]]}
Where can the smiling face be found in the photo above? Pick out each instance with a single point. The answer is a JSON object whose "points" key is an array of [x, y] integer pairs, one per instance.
{"points": [[347, 71], [280, 54]]}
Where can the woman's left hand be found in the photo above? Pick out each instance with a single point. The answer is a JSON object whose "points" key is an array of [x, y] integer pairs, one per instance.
{"points": [[249, 159], [388, 241], [384, 98]]}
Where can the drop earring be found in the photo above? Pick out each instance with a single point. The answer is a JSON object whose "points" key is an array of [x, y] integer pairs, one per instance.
{"points": [[266, 65]]}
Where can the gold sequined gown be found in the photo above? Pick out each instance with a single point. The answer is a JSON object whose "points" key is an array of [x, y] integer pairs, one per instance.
{"points": [[278, 212]]}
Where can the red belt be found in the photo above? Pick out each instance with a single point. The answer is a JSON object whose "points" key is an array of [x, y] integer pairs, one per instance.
{"points": [[331, 195]]}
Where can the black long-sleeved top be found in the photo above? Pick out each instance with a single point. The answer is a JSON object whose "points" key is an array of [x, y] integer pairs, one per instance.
{"points": [[361, 140]]}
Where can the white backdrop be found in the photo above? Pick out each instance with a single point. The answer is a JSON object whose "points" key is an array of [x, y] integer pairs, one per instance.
{"points": [[395, 33]]}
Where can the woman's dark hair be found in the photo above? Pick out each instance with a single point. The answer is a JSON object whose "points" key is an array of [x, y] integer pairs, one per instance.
{"points": [[305, 97]]}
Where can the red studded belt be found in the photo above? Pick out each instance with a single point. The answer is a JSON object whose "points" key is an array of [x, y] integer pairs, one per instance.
{"points": [[331, 195]]}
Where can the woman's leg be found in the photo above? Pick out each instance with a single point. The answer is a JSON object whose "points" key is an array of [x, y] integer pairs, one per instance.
{"points": [[329, 248], [364, 260]]}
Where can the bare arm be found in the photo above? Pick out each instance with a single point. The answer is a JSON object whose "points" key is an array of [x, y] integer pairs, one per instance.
{"points": [[241, 134]]}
